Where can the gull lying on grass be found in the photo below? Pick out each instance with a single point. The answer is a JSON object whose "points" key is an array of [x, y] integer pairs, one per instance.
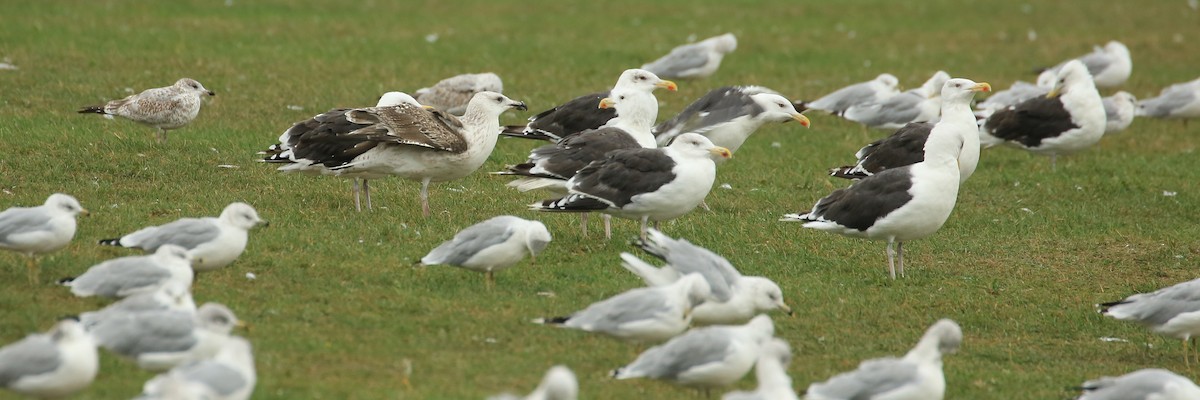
{"points": [[39, 230], [50, 365], [212, 243], [558, 384], [492, 245], [160, 340], [918, 375], [173, 296], [452, 94], [694, 60], [771, 373], [1143, 384], [126, 276], [836, 103], [704, 358], [228, 375], [650, 314]]}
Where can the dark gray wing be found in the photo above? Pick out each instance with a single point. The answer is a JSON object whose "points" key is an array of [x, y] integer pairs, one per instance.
{"points": [[873, 377], [624, 174], [150, 332], [718, 106], [683, 353], [579, 114], [471, 241], [864, 202], [906, 146], [34, 355], [1031, 121], [21, 220], [221, 378], [187, 233], [563, 159]]}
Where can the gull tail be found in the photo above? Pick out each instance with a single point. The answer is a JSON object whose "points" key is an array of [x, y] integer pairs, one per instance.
{"points": [[1104, 307], [551, 320], [92, 110], [797, 217], [851, 172], [66, 281], [570, 203], [111, 242]]}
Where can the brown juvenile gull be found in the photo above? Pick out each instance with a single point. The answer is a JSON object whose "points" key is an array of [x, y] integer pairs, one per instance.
{"points": [[452, 94], [164, 108]]}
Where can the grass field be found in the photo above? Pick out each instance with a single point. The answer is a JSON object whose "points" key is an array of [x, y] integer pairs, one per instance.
{"points": [[336, 305]]}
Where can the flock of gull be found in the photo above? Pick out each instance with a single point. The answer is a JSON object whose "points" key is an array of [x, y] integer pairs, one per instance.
{"points": [[604, 152]]}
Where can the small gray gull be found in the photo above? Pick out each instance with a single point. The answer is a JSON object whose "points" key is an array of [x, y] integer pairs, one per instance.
{"points": [[917, 375], [836, 103], [1068, 119], [917, 105], [904, 203], [1178, 101], [581, 113], [213, 243], [1119, 111], [648, 314], [160, 340], [906, 145], [452, 94], [492, 245], [228, 375], [735, 298], [172, 296], [648, 184], [1018, 92], [728, 115], [1173, 311], [330, 123], [1110, 66], [704, 358], [559, 383], [410, 142], [164, 108], [39, 230], [771, 373], [1143, 384], [50, 365], [694, 60], [127, 276]]}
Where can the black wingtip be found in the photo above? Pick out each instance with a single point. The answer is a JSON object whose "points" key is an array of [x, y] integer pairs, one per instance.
{"points": [[555, 320], [110, 242], [92, 110], [67, 280], [73, 317], [845, 172], [801, 106], [1105, 306]]}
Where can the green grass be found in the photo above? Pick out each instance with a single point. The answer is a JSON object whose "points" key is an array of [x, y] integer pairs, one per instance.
{"points": [[337, 307]]}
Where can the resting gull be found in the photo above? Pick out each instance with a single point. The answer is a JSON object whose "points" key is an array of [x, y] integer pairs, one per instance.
{"points": [[1018, 92], [694, 60], [1173, 311], [648, 314], [160, 340], [1110, 66], [452, 94], [1178, 101], [50, 365], [908, 202], [706, 357], [906, 145], [648, 184], [492, 245], [330, 123], [735, 298], [164, 108], [1143, 384], [881, 88], [728, 115], [558, 384], [1119, 111], [771, 373], [173, 296], [213, 243], [918, 375], [228, 375], [1068, 119], [411, 142], [917, 105], [39, 230], [581, 113], [127, 276]]}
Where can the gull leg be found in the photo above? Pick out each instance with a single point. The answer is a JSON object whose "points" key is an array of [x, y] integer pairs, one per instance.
{"points": [[357, 203], [491, 279], [891, 261], [425, 197], [583, 222], [33, 270], [704, 205], [162, 136], [1053, 162], [900, 256], [367, 192], [607, 226], [1186, 359], [645, 218]]}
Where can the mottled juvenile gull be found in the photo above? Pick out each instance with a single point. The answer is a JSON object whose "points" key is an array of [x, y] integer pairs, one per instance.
{"points": [[127, 276], [694, 60], [452, 94], [492, 245], [1119, 111], [1178, 101], [648, 314], [228, 375], [881, 88], [1143, 384], [918, 375], [908, 202], [1110, 66], [164, 108], [212, 242], [33, 231], [771, 373], [729, 115], [706, 357], [558, 384], [50, 365], [160, 340], [1173, 311], [917, 105], [581, 113]]}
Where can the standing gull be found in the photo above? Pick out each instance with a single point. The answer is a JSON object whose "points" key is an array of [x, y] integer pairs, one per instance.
{"points": [[1110, 65], [212, 243], [228, 375], [492, 245], [331, 123], [1178, 101], [50, 365], [164, 108], [648, 184], [558, 384], [1119, 111], [907, 145], [39, 230], [917, 105], [160, 340], [1143, 384], [771, 373], [452, 94], [836, 103], [411, 142], [1068, 119], [918, 375], [706, 357], [127, 276], [729, 115], [581, 113], [1173, 311], [734, 298], [908, 202], [648, 314], [695, 60]]}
